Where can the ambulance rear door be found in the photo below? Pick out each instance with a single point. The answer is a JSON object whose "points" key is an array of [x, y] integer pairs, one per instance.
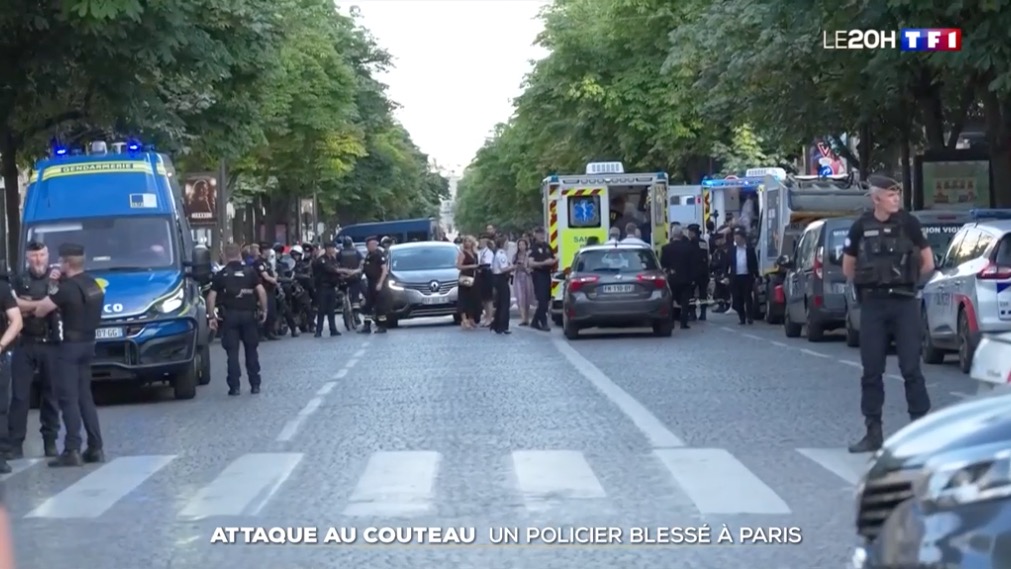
{"points": [[684, 205], [583, 213], [659, 215]]}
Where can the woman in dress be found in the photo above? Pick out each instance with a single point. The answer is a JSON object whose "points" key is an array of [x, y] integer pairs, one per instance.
{"points": [[485, 279], [470, 302], [523, 286]]}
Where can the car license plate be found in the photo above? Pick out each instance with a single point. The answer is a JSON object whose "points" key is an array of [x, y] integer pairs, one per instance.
{"points": [[1004, 304], [440, 299], [617, 289], [108, 333], [839, 288]]}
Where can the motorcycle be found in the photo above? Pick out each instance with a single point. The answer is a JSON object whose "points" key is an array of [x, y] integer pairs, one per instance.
{"points": [[294, 297]]}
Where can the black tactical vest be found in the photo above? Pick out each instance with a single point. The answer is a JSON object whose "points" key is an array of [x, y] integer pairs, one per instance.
{"points": [[36, 288], [240, 288], [887, 256]]}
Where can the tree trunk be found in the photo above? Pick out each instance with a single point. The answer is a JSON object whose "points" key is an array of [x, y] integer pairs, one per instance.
{"points": [[998, 136], [12, 199]]}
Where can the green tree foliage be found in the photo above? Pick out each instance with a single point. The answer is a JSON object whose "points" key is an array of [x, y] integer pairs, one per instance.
{"points": [[285, 90], [661, 85]]}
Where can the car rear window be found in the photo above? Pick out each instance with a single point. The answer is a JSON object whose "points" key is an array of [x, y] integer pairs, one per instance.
{"points": [[615, 260], [836, 242], [939, 235]]}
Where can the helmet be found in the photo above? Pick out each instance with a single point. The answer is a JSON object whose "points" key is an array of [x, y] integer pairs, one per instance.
{"points": [[297, 250], [386, 241], [348, 242], [278, 248]]}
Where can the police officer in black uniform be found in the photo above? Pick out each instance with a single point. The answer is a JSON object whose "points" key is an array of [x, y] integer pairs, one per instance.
{"points": [[376, 271], [35, 353], [542, 260], [701, 270], [241, 291], [679, 259], [79, 299], [269, 280], [350, 262], [12, 323], [326, 272], [885, 255]]}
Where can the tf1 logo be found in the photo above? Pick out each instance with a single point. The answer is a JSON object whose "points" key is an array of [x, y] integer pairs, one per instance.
{"points": [[932, 39]]}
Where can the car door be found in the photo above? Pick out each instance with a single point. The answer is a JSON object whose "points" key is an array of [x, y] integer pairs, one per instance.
{"points": [[967, 285], [938, 291], [803, 261]]}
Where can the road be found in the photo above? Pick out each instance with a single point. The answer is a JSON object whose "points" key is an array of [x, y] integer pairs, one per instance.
{"points": [[431, 426]]}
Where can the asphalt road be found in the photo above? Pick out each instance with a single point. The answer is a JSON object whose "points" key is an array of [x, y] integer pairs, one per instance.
{"points": [[433, 427]]}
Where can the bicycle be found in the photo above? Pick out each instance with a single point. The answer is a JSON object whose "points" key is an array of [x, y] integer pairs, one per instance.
{"points": [[352, 316]]}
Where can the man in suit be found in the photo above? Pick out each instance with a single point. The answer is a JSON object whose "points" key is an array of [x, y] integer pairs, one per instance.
{"points": [[678, 258], [742, 267]]}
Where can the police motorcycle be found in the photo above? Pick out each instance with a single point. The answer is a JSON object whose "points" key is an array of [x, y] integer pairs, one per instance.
{"points": [[293, 297]]}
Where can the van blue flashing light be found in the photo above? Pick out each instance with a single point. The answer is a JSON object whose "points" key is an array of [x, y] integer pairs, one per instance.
{"points": [[133, 146], [987, 213], [744, 183]]}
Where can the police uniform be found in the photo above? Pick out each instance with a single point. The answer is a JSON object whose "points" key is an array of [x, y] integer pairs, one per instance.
{"points": [[375, 300], [327, 281], [887, 274], [262, 267], [7, 302], [541, 278], [235, 289], [701, 270], [35, 353], [352, 260], [79, 299]]}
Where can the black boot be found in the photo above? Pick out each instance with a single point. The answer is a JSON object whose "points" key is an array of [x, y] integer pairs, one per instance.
{"points": [[366, 328], [872, 441], [4, 467], [49, 448], [68, 458], [93, 455], [15, 452], [702, 312]]}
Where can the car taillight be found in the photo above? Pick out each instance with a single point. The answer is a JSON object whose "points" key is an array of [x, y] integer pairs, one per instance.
{"points": [[577, 283], [778, 295], [993, 271], [818, 262], [658, 280]]}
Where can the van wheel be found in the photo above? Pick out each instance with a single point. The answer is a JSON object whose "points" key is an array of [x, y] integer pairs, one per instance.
{"points": [[815, 331], [663, 328], [966, 348], [852, 336], [184, 386], [931, 355], [791, 329], [204, 353]]}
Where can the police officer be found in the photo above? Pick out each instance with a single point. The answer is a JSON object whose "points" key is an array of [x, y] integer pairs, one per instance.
{"points": [[701, 270], [376, 270], [241, 291], [268, 278], [79, 299], [679, 258], [542, 260], [885, 254], [12, 323], [35, 352], [325, 270], [350, 265]]}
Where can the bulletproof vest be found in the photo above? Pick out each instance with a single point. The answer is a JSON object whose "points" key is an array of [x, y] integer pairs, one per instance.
{"points": [[886, 255], [348, 259], [37, 288], [240, 284], [93, 298], [374, 264]]}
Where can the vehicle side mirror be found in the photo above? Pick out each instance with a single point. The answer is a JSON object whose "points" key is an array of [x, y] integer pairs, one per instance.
{"points": [[559, 276], [784, 262], [200, 268]]}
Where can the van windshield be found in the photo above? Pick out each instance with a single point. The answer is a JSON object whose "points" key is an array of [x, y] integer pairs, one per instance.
{"points": [[836, 242], [939, 235], [112, 243]]}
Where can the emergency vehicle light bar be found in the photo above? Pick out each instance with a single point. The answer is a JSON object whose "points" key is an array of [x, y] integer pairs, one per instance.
{"points": [[990, 213], [750, 183]]}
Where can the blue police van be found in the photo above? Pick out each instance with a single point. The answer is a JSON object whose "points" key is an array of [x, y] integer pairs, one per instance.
{"points": [[124, 206]]}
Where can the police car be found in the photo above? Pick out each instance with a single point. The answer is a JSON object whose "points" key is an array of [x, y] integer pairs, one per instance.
{"points": [[969, 294]]}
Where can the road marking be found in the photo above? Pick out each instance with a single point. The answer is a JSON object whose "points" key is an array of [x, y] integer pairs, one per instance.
{"points": [[814, 353], [718, 483], [727, 328], [359, 353], [93, 495], [341, 373], [292, 426], [957, 394], [396, 484], [244, 487], [657, 433], [753, 337], [351, 363], [780, 344], [327, 388], [894, 376], [19, 465], [851, 363], [839, 461], [547, 477]]}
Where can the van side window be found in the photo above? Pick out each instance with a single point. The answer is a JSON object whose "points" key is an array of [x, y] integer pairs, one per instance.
{"points": [[584, 211], [807, 248]]}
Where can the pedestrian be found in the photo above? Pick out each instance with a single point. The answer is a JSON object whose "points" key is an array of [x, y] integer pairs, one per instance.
{"points": [[485, 279], [677, 259], [632, 235], [718, 272], [35, 356], [542, 260], [326, 270], [613, 236], [468, 299], [523, 286], [700, 280], [885, 254], [501, 269], [12, 324], [80, 299], [241, 292], [742, 268], [268, 278], [376, 268]]}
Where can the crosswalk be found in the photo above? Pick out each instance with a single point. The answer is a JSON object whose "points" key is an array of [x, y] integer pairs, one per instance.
{"points": [[406, 484]]}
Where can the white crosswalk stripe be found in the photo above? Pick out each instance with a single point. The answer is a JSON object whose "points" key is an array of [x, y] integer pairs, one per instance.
{"points": [[404, 484]]}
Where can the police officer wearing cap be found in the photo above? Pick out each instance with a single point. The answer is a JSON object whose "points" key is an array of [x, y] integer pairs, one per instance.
{"points": [[35, 353], [326, 270], [11, 323], [241, 291], [701, 271], [542, 259], [79, 299], [885, 254], [376, 271]]}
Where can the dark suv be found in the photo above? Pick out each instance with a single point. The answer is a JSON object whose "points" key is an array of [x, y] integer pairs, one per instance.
{"points": [[815, 287]]}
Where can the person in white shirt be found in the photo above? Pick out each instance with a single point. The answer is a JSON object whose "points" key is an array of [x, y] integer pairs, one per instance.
{"points": [[743, 269], [631, 235], [501, 268], [613, 236], [485, 279]]}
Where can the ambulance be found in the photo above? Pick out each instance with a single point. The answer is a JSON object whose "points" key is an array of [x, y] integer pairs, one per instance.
{"points": [[581, 206]]}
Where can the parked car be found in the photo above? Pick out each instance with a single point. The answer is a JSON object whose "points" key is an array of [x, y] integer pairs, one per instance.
{"points": [[938, 494], [616, 286], [940, 227], [815, 287], [424, 280], [969, 294], [991, 364]]}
